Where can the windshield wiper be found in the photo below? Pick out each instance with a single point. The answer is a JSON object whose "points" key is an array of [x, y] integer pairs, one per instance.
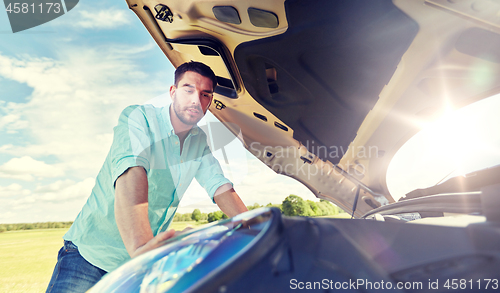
{"points": [[470, 182]]}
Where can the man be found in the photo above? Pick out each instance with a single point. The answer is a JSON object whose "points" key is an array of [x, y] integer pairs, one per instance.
{"points": [[155, 154]]}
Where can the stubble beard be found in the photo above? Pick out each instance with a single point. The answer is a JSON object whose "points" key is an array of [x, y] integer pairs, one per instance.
{"points": [[186, 120]]}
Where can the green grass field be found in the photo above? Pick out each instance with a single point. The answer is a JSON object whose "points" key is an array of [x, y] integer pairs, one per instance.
{"points": [[27, 258]]}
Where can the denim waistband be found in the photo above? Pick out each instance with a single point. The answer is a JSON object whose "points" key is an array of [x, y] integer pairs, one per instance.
{"points": [[69, 245]]}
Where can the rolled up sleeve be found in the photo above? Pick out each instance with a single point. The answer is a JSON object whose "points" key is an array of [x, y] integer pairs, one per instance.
{"points": [[131, 142], [210, 175]]}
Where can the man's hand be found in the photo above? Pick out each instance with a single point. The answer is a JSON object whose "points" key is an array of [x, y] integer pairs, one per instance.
{"points": [[158, 240], [154, 243], [228, 201], [177, 233]]}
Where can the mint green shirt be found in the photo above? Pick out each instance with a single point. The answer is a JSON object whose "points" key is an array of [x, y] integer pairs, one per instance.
{"points": [[143, 137]]}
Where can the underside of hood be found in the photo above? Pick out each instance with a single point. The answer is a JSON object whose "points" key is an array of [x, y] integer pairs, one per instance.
{"points": [[327, 91]]}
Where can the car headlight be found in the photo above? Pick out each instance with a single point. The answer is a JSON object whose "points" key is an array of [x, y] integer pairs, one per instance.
{"points": [[187, 260]]}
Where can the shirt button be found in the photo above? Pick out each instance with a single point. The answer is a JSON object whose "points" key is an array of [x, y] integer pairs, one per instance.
{"points": [[182, 161], [176, 142]]}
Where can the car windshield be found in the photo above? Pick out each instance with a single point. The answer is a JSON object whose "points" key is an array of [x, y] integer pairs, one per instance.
{"points": [[460, 142]]}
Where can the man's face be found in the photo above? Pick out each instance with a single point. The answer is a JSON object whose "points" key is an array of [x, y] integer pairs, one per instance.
{"points": [[191, 97]]}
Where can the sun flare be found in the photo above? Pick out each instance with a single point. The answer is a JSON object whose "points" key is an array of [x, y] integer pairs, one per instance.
{"points": [[458, 143]]}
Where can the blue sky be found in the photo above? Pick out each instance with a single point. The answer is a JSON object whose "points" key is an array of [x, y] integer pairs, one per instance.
{"points": [[62, 87]]}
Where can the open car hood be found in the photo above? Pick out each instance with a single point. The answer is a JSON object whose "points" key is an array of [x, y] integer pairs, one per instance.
{"points": [[327, 91]]}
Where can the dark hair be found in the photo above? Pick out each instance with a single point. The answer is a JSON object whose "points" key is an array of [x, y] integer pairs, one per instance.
{"points": [[197, 67]]}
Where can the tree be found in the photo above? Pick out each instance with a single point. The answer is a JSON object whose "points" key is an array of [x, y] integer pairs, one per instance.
{"points": [[255, 206], [211, 217], [186, 217], [196, 215], [294, 205], [216, 216], [177, 217], [315, 208], [328, 208]]}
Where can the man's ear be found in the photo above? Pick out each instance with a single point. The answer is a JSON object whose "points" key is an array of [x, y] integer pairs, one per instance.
{"points": [[173, 88], [209, 104]]}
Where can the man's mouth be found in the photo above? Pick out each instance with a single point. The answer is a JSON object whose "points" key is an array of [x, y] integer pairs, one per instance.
{"points": [[193, 111]]}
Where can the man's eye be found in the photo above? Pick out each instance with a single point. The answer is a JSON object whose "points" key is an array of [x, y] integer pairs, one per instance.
{"points": [[189, 91]]}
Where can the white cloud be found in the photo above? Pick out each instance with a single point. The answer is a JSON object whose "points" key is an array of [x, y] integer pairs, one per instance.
{"points": [[13, 122], [103, 19], [7, 216], [6, 147], [13, 190], [69, 116], [75, 104], [27, 168], [59, 192], [54, 187], [57, 201], [64, 190]]}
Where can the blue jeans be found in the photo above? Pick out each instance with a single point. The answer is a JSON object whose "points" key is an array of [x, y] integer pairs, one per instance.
{"points": [[72, 272]]}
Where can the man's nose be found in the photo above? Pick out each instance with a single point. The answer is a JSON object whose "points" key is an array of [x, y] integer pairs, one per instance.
{"points": [[196, 98]]}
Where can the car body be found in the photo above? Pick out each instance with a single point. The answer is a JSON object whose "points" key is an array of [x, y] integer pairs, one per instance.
{"points": [[327, 92]]}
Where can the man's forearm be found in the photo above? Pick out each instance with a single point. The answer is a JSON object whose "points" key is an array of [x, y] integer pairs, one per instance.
{"points": [[131, 209], [229, 202]]}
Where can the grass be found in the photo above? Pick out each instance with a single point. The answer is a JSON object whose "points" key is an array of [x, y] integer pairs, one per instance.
{"points": [[338, 216], [179, 226], [28, 257]]}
